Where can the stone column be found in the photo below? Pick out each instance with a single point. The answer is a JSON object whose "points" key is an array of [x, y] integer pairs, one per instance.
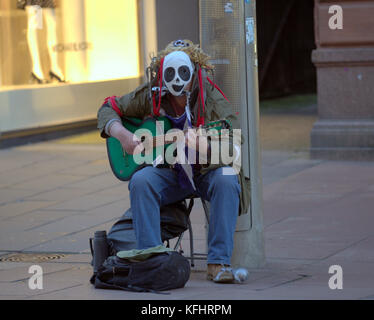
{"points": [[345, 73]]}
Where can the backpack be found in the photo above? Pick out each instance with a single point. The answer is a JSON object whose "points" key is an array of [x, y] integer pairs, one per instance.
{"points": [[174, 220], [159, 272]]}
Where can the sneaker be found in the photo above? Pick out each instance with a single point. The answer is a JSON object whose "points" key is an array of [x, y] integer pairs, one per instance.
{"points": [[220, 273]]}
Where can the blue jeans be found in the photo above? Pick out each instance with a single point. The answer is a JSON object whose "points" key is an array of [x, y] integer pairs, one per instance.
{"points": [[150, 188]]}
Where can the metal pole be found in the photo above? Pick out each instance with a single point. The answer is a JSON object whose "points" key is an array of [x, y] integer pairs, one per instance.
{"points": [[228, 34], [249, 242]]}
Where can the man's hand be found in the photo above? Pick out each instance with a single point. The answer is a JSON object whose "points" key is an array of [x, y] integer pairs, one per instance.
{"points": [[132, 144], [129, 141], [197, 142]]}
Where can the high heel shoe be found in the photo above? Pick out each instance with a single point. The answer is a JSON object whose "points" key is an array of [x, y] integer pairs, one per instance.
{"points": [[53, 75], [38, 80]]}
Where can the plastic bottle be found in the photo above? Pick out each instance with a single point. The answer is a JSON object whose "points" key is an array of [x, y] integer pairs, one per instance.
{"points": [[240, 275]]}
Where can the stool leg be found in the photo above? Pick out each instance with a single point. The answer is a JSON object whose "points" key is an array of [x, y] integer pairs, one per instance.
{"points": [[206, 210], [191, 243], [190, 205], [178, 242]]}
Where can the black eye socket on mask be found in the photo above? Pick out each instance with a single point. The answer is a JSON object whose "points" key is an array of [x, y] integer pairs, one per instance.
{"points": [[169, 74], [184, 73]]}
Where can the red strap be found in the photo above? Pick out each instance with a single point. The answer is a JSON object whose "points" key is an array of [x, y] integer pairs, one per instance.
{"points": [[114, 105], [156, 109], [213, 84], [160, 93], [200, 119]]}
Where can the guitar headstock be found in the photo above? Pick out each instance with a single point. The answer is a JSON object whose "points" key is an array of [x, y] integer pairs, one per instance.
{"points": [[219, 125]]}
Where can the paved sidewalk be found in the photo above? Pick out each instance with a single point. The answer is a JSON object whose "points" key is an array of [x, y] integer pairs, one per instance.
{"points": [[54, 195]]}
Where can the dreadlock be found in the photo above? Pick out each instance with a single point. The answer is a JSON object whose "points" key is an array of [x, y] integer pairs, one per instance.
{"points": [[202, 67]]}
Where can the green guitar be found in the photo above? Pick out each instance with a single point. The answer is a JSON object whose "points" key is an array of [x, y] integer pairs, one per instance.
{"points": [[123, 164]]}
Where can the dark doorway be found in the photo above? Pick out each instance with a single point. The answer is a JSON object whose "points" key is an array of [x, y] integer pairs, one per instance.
{"points": [[285, 43]]}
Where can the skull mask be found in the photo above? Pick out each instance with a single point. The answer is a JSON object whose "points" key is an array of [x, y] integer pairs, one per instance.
{"points": [[177, 72]]}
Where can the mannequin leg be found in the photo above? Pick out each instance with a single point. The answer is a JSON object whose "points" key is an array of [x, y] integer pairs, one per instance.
{"points": [[32, 39], [50, 18]]}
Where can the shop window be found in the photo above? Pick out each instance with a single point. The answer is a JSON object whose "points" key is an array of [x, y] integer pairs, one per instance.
{"points": [[53, 42]]}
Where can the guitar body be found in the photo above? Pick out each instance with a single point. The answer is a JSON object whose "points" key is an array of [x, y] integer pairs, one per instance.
{"points": [[123, 164]]}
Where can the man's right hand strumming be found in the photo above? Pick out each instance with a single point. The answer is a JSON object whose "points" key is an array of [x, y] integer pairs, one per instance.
{"points": [[129, 141]]}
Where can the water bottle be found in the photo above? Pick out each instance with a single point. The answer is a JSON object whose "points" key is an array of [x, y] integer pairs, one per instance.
{"points": [[240, 275], [100, 249]]}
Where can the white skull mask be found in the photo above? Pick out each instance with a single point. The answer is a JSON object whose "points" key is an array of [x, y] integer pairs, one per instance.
{"points": [[177, 72]]}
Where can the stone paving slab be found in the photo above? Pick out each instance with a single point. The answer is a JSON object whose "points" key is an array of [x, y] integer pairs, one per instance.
{"points": [[12, 210], [12, 159], [359, 252], [18, 272], [47, 182], [119, 190], [286, 131], [282, 286], [96, 183], [58, 195], [282, 165], [37, 219], [11, 195], [321, 228], [306, 283], [89, 169], [72, 283], [85, 202], [355, 275], [23, 240], [71, 242], [302, 249]]}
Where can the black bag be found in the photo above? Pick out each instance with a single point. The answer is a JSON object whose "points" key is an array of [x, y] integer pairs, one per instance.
{"points": [[162, 271]]}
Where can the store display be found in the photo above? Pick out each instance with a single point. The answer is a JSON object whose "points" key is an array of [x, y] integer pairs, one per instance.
{"points": [[37, 10]]}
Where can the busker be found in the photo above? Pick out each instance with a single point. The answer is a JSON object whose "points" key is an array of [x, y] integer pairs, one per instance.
{"points": [[183, 92]]}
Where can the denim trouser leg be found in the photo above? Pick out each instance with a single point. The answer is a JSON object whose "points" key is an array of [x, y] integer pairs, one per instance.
{"points": [[150, 188], [222, 192]]}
